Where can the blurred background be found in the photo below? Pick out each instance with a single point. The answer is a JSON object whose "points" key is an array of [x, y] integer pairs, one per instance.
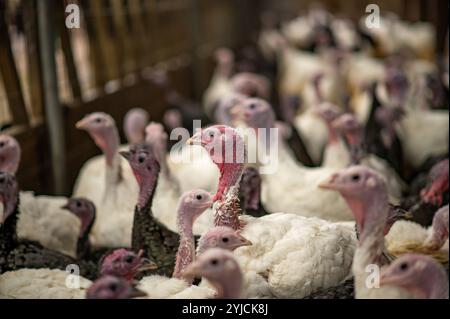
{"points": [[50, 76]]}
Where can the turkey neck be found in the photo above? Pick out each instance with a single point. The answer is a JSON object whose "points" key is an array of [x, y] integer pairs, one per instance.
{"points": [[229, 287], [8, 231], [228, 208], [186, 249], [371, 247], [109, 144], [83, 244], [158, 242]]}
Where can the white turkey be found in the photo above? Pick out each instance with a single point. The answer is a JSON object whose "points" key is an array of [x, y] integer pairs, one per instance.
{"points": [[277, 264]]}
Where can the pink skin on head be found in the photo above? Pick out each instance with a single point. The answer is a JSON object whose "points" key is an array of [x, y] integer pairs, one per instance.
{"points": [[329, 112], [387, 117], [227, 150], [9, 154], [421, 275], [125, 264], [9, 194], [192, 205], [102, 128], [134, 125], [173, 119], [225, 61], [365, 193], [251, 85], [396, 85], [223, 112], [156, 136], [349, 126], [110, 287], [439, 230], [145, 167], [84, 209], [221, 237], [221, 269], [438, 180], [254, 112]]}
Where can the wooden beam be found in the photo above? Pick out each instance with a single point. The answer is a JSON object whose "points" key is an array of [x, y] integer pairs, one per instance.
{"points": [[66, 44], [33, 59], [9, 74]]}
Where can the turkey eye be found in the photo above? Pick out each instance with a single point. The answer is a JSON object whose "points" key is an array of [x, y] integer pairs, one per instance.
{"points": [[2, 144], [98, 120], [113, 286], [404, 266], [252, 106], [2, 180], [141, 159], [225, 239], [199, 197], [129, 259], [211, 134], [214, 262], [78, 204], [355, 177]]}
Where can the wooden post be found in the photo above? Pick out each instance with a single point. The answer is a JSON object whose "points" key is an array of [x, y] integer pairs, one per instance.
{"points": [[33, 59], [9, 74], [66, 45], [53, 111]]}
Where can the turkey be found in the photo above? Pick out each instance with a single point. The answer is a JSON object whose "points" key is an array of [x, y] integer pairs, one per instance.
{"points": [[221, 237], [134, 124], [407, 236], [221, 269], [147, 233], [173, 180], [351, 129], [366, 193], [110, 287], [279, 240], [421, 276], [279, 191], [41, 218], [428, 191], [423, 132], [85, 211], [191, 206], [41, 283], [108, 182], [22, 253], [58, 284]]}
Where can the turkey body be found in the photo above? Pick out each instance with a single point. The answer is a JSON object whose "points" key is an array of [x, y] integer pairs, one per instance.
{"points": [[293, 256], [41, 284]]}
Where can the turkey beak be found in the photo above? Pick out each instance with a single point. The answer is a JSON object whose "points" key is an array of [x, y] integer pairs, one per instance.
{"points": [[244, 241], [82, 124], [386, 278], [330, 183], [401, 213], [126, 155], [237, 113], [147, 264], [135, 293], [195, 140]]}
